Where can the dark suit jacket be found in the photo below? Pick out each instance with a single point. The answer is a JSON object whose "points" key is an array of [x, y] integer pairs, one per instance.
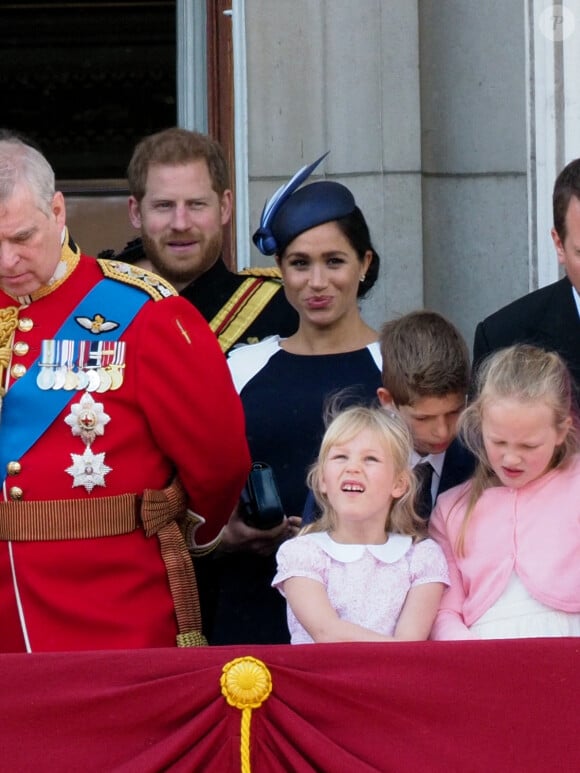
{"points": [[458, 466], [547, 317]]}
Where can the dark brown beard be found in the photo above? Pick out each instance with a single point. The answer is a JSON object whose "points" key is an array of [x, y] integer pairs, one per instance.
{"points": [[189, 271]]}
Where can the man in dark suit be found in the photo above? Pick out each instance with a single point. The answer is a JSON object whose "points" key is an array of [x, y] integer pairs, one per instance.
{"points": [[549, 317]]}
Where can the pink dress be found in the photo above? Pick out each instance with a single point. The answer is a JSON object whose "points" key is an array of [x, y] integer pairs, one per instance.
{"points": [[366, 584]]}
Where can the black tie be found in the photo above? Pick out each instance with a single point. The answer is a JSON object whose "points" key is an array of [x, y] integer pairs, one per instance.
{"points": [[424, 500]]}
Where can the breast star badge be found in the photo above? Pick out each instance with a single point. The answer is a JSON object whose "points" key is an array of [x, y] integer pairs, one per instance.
{"points": [[87, 420], [88, 470]]}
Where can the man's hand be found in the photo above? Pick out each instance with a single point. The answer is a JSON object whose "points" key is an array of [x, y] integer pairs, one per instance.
{"points": [[238, 536]]}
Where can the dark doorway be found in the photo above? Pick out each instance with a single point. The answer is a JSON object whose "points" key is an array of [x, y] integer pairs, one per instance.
{"points": [[86, 80]]}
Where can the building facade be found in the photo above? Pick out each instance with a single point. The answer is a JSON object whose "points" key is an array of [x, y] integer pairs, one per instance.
{"points": [[449, 119]]}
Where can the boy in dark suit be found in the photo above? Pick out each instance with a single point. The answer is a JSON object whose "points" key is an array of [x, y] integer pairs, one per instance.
{"points": [[426, 376]]}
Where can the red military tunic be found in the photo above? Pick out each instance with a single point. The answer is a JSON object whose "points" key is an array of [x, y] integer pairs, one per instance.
{"points": [[176, 412]]}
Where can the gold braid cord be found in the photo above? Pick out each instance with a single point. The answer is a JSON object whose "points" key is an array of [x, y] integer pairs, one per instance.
{"points": [[241, 310], [152, 284], [246, 683], [269, 272], [8, 323], [161, 514]]}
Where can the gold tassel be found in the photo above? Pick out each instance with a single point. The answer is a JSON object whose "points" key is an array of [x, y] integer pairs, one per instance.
{"points": [[246, 683]]}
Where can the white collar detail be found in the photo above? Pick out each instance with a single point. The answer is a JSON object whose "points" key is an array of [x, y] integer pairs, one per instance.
{"points": [[246, 360], [388, 553]]}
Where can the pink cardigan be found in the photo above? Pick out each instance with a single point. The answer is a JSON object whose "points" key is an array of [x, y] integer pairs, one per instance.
{"points": [[534, 530]]}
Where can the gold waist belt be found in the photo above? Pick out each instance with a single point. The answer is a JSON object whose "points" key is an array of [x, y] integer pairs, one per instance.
{"points": [[158, 511], [63, 519]]}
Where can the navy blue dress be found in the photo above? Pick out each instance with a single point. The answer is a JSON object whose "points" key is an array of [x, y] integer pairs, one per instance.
{"points": [[284, 397]]}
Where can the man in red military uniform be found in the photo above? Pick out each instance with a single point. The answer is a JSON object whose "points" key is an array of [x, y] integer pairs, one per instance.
{"points": [[112, 388]]}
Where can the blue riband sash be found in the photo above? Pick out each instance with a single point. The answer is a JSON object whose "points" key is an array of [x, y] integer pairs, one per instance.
{"points": [[27, 411]]}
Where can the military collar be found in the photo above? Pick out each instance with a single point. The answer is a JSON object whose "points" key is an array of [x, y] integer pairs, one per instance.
{"points": [[69, 258]]}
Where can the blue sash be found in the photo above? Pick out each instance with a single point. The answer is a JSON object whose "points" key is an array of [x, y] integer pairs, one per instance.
{"points": [[27, 411]]}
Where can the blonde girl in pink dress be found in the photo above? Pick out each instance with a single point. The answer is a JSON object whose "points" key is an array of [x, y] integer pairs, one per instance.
{"points": [[364, 571]]}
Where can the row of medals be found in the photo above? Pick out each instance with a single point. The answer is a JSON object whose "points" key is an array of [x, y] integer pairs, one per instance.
{"points": [[100, 379]]}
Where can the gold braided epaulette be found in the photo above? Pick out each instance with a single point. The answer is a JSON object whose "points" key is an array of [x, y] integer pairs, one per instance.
{"points": [[156, 286], [266, 272]]}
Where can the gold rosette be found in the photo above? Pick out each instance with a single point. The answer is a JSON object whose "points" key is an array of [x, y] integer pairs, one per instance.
{"points": [[246, 683]]}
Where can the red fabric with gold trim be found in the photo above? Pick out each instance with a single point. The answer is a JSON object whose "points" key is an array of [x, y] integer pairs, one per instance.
{"points": [[368, 708], [176, 412]]}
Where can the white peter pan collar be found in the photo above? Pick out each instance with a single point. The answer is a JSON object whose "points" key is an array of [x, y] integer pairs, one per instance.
{"points": [[388, 553]]}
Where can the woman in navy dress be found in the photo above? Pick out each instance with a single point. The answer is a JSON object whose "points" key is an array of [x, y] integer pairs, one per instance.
{"points": [[322, 245]]}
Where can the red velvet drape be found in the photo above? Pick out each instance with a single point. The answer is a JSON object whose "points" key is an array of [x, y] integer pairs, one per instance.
{"points": [[427, 706]]}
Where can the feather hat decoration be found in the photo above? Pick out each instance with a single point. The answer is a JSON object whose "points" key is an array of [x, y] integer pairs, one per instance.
{"points": [[293, 210]]}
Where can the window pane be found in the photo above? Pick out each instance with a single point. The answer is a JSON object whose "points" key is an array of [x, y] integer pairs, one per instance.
{"points": [[86, 80]]}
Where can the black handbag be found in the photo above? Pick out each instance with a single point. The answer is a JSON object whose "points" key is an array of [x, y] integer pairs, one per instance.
{"points": [[260, 501]]}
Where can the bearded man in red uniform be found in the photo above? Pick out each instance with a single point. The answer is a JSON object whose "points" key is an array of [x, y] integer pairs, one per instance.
{"points": [[121, 436]]}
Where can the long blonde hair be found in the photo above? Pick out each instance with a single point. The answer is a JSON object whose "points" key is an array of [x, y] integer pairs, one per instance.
{"points": [[393, 433], [528, 374]]}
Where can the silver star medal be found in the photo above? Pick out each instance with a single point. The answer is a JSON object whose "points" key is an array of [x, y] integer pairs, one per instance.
{"points": [[88, 470], [87, 420]]}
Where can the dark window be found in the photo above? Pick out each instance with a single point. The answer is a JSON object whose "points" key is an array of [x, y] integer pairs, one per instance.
{"points": [[87, 80]]}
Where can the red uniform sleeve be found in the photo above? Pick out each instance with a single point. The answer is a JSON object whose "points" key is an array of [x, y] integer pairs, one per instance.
{"points": [[186, 392]]}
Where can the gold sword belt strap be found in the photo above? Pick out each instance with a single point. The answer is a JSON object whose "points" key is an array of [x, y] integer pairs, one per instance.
{"points": [[63, 519], [158, 511]]}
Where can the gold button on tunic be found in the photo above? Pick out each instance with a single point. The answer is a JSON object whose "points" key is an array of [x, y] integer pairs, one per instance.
{"points": [[13, 468]]}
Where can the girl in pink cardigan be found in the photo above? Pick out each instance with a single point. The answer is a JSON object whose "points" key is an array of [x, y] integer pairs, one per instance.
{"points": [[511, 535]]}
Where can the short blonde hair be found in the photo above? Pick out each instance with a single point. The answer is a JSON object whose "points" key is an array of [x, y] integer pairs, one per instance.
{"points": [[394, 434]]}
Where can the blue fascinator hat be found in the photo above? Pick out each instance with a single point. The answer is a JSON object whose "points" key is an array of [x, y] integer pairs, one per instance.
{"points": [[293, 210]]}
